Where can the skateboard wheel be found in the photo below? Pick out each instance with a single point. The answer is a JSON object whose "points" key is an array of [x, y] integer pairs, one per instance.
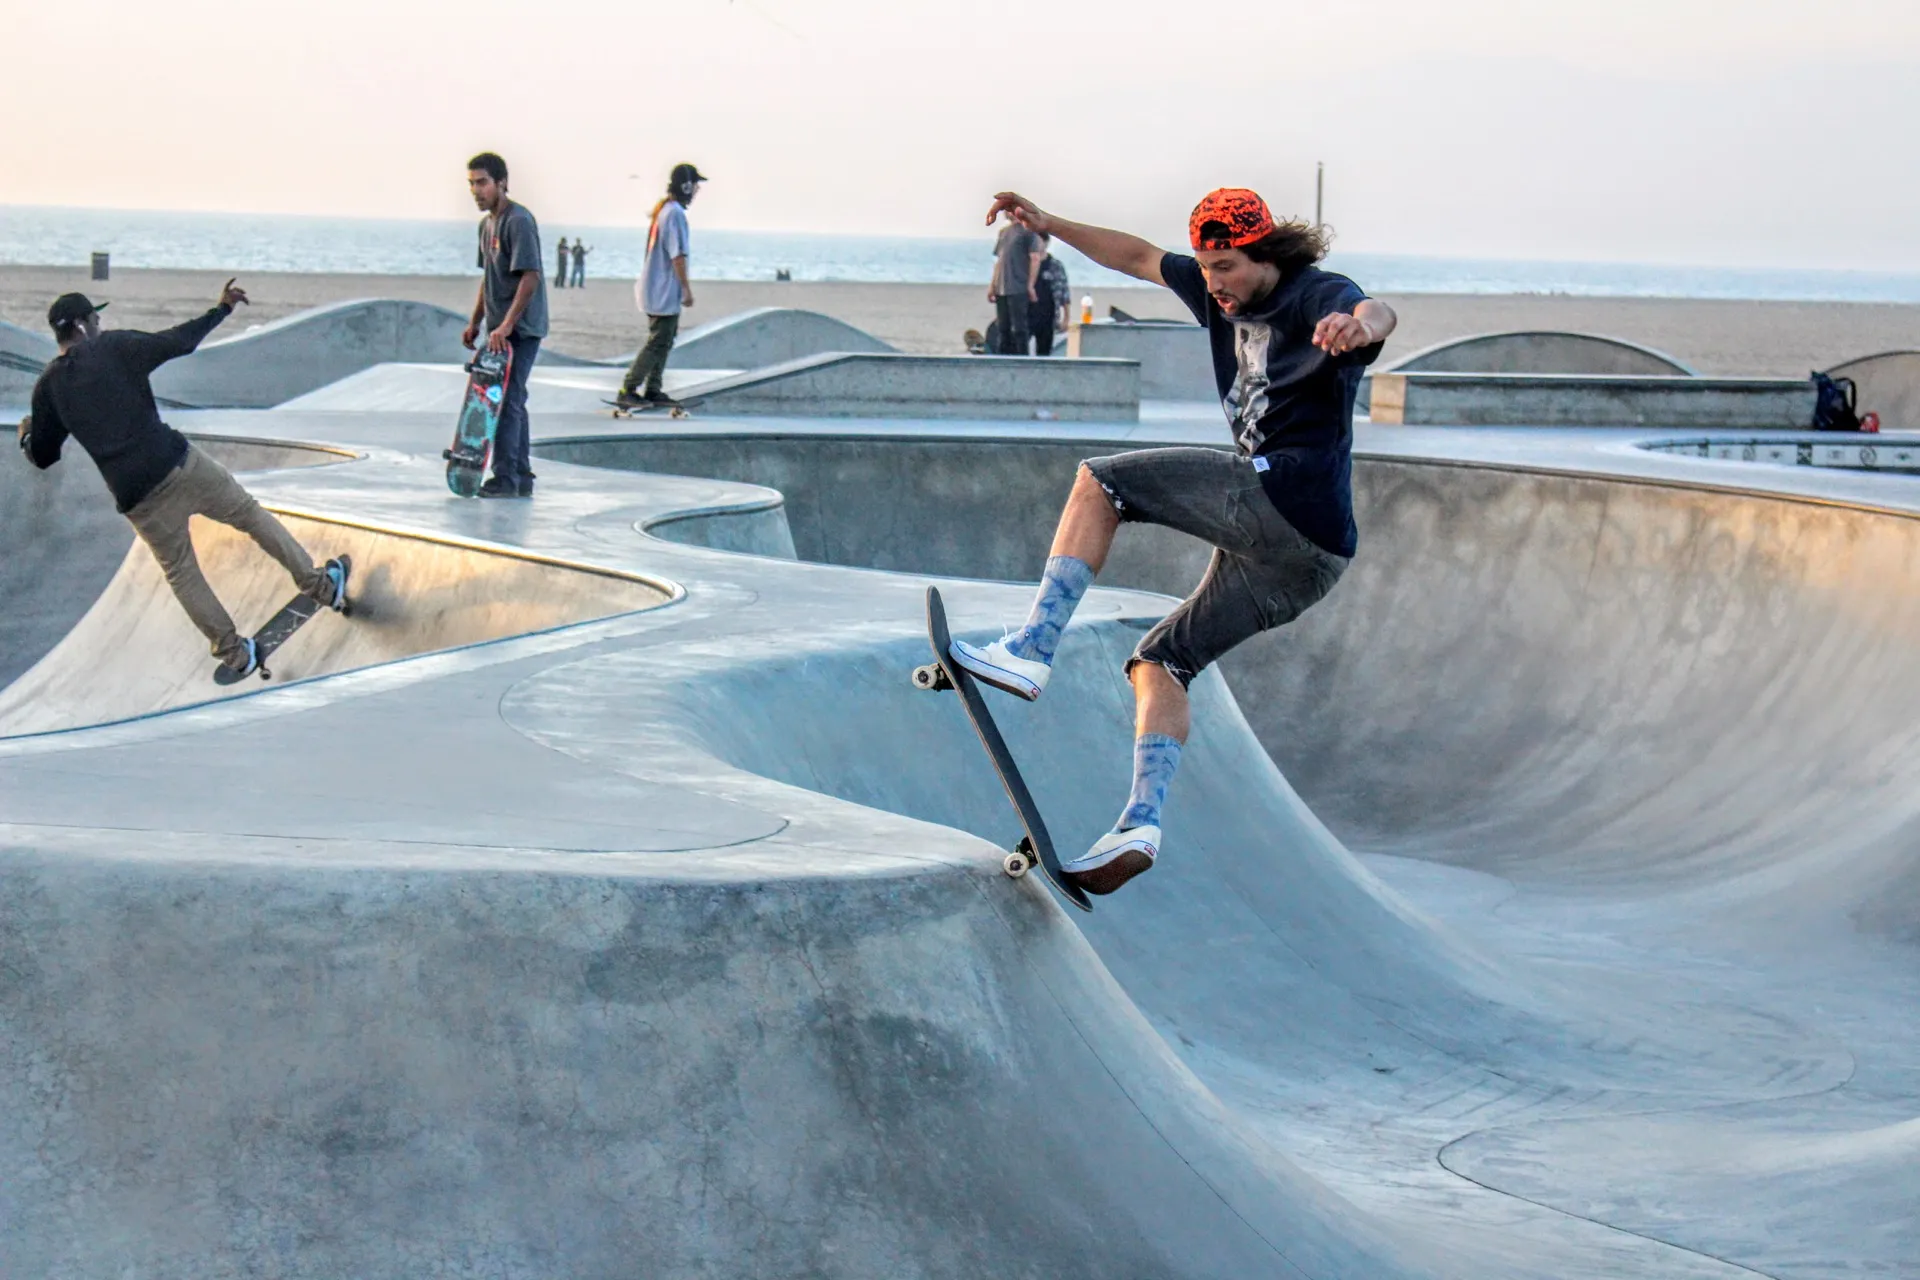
{"points": [[924, 677], [1015, 865]]}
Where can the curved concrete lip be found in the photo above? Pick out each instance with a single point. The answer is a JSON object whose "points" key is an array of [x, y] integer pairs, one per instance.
{"points": [[524, 930]]}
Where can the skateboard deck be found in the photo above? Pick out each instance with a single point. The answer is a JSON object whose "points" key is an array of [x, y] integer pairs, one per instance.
{"points": [[681, 410], [945, 673], [280, 628], [487, 375]]}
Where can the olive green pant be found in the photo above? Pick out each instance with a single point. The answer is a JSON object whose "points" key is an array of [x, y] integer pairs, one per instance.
{"points": [[199, 486], [650, 366]]}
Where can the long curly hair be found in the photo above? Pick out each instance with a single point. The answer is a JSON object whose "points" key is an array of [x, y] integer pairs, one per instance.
{"points": [[1290, 246]]}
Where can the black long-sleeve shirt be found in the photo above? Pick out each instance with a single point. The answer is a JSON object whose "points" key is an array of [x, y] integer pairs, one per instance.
{"points": [[98, 393]]}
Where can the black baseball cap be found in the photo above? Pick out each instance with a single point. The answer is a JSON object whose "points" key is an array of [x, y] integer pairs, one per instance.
{"points": [[684, 175], [71, 308]]}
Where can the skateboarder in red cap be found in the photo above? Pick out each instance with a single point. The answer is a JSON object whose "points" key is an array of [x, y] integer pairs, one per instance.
{"points": [[96, 390], [1289, 344]]}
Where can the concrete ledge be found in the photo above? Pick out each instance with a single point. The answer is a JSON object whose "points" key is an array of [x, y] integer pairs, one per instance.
{"points": [[872, 385], [1578, 400], [1175, 361]]}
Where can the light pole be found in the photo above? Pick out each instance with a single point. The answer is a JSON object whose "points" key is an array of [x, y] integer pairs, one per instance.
{"points": [[1319, 194]]}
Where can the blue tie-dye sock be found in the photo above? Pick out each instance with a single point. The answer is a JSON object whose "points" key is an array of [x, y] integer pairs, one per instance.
{"points": [[1155, 757], [1065, 580]]}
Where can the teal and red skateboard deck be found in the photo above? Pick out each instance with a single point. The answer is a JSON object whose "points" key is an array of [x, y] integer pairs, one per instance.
{"points": [[467, 460], [945, 673]]}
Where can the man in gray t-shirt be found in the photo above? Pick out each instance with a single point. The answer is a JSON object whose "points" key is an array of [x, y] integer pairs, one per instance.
{"points": [[1016, 264], [513, 305]]}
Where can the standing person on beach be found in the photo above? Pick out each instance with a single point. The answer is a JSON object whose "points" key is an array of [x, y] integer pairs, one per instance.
{"points": [[513, 306], [560, 270], [1016, 266], [97, 390], [1289, 342], [1052, 296], [662, 290], [580, 252]]}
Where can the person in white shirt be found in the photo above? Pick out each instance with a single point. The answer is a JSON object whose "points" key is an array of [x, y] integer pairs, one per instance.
{"points": [[662, 291]]}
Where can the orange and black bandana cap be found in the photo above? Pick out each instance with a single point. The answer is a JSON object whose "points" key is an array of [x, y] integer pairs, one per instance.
{"points": [[1242, 213]]}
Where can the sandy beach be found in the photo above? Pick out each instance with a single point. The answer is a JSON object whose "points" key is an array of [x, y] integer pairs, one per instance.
{"points": [[1715, 337]]}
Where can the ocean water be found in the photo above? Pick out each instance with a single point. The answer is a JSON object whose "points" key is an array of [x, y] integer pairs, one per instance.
{"points": [[276, 242]]}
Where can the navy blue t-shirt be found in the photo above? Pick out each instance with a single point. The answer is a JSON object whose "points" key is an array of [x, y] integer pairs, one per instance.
{"points": [[1288, 401]]}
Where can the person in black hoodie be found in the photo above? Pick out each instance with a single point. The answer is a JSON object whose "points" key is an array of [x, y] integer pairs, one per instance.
{"points": [[97, 391]]}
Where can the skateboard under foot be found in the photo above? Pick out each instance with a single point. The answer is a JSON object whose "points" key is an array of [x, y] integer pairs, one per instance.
{"points": [[280, 628], [1036, 846]]}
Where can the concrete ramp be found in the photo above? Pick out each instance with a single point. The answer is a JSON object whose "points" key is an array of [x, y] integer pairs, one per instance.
{"points": [[134, 652], [258, 368], [439, 388], [1889, 385], [23, 353]]}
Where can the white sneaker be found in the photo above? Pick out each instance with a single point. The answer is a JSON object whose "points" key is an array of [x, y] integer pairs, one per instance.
{"points": [[993, 665], [1115, 858]]}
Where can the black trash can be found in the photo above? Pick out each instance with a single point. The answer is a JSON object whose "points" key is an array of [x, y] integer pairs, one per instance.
{"points": [[100, 266]]}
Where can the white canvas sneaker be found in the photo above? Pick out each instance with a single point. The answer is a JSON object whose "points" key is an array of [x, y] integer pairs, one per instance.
{"points": [[1022, 677], [1115, 858]]}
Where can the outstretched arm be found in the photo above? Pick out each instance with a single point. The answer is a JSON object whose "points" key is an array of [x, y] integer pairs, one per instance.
{"points": [[151, 350], [1116, 250]]}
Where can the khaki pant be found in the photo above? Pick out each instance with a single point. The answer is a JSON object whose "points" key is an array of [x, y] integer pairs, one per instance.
{"points": [[200, 486]]}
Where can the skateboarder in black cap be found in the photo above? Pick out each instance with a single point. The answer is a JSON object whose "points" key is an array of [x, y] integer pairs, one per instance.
{"points": [[97, 391], [662, 291]]}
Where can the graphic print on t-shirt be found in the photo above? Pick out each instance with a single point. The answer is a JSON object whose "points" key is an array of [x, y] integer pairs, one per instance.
{"points": [[1246, 403]]}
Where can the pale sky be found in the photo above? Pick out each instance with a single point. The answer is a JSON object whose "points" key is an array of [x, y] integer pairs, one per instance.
{"points": [[1718, 132]]}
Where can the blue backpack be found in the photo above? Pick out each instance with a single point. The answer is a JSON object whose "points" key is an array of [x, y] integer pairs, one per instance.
{"points": [[1833, 404]]}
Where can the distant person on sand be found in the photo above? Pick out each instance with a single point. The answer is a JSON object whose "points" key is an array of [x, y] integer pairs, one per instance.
{"points": [[97, 391], [580, 252], [1016, 266], [560, 271], [661, 291], [1289, 344], [1052, 297], [513, 306]]}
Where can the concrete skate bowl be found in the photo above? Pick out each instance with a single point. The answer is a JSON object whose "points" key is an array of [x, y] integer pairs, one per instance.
{"points": [[1532, 351], [134, 653], [1606, 678], [63, 540], [1889, 385], [259, 368], [1308, 1001]]}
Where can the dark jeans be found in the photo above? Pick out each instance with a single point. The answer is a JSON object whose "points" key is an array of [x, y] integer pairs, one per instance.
{"points": [[1040, 316], [560, 277], [1011, 315], [512, 464], [579, 272], [1264, 572], [651, 364]]}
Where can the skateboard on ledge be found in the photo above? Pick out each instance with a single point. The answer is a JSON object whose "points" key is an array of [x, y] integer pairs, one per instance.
{"points": [[1036, 846], [675, 409]]}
